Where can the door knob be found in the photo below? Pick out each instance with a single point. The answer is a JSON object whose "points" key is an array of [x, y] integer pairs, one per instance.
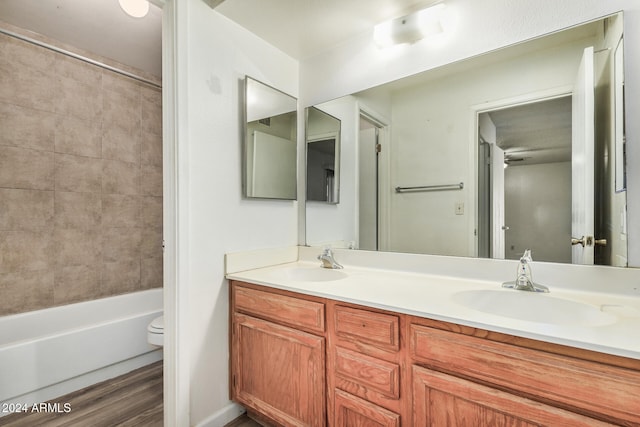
{"points": [[581, 241], [600, 242]]}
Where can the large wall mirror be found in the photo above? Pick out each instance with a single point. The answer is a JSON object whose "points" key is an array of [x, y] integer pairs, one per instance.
{"points": [[517, 148], [323, 156], [269, 166]]}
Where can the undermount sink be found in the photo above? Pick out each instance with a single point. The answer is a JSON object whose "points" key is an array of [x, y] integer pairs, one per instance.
{"points": [[534, 307], [310, 274]]}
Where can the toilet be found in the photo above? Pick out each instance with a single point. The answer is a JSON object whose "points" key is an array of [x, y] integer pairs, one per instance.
{"points": [[155, 331]]}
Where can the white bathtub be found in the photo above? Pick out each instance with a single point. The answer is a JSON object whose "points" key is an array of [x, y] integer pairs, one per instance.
{"points": [[47, 353]]}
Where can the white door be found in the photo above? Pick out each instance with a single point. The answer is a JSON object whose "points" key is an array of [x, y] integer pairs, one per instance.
{"points": [[497, 202], [582, 176], [367, 181]]}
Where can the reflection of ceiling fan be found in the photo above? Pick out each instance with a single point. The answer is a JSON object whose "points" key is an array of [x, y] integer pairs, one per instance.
{"points": [[511, 159]]}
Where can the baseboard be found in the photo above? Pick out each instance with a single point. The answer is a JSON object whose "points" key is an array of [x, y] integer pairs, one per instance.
{"points": [[223, 416]]}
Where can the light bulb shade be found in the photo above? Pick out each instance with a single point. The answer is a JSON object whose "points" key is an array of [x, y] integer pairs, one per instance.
{"points": [[409, 28], [135, 8]]}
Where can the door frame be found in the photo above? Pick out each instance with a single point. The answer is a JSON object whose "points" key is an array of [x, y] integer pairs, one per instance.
{"points": [[384, 179], [475, 111], [176, 366]]}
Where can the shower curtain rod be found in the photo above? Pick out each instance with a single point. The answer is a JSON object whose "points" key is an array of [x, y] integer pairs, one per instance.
{"points": [[80, 57]]}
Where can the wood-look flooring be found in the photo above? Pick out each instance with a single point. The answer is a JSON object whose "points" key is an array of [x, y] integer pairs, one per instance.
{"points": [[130, 400], [243, 421]]}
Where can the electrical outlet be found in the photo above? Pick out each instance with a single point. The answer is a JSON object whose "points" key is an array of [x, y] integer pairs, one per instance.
{"points": [[459, 208]]}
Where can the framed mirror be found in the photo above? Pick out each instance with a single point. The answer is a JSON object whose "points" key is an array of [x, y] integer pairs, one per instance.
{"points": [[269, 143], [513, 107], [323, 156]]}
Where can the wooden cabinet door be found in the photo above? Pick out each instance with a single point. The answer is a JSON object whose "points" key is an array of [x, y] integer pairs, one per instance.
{"points": [[441, 400], [278, 371], [351, 411]]}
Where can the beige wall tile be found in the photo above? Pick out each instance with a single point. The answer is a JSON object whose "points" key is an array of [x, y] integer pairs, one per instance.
{"points": [[77, 70], [121, 112], [150, 180], [121, 84], [120, 277], [28, 87], [78, 100], [120, 177], [121, 244], [24, 54], [25, 168], [25, 250], [151, 211], [151, 273], [25, 209], [71, 223], [25, 74], [120, 211], [77, 210], [151, 117], [77, 247], [150, 149], [151, 94], [25, 291], [79, 174], [26, 128], [120, 145], [79, 137], [76, 283], [151, 245]]}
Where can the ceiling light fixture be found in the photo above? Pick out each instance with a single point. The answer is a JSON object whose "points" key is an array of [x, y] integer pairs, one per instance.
{"points": [[135, 8], [410, 28]]}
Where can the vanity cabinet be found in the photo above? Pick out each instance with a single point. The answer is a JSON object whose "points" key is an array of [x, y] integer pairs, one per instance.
{"points": [[299, 360], [496, 379], [278, 356]]}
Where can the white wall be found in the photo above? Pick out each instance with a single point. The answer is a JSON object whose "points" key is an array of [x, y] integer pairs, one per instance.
{"points": [[358, 65], [213, 55]]}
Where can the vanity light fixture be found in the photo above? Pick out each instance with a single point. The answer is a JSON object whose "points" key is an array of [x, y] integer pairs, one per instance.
{"points": [[135, 8], [409, 28]]}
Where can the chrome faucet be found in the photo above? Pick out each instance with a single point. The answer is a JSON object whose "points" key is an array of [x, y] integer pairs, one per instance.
{"points": [[524, 278], [327, 259]]}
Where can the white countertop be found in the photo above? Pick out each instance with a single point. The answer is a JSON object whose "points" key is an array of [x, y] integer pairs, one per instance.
{"points": [[439, 297]]}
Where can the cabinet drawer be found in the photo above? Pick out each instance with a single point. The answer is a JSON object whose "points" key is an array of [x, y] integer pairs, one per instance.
{"points": [[593, 388], [287, 310], [378, 329], [353, 411], [365, 374]]}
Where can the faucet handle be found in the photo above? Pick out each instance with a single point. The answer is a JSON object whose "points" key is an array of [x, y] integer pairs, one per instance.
{"points": [[326, 251]]}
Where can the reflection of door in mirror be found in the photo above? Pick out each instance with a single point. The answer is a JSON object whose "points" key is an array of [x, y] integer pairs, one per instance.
{"points": [[323, 156]]}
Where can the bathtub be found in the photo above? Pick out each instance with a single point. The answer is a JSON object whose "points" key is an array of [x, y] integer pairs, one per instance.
{"points": [[47, 353]]}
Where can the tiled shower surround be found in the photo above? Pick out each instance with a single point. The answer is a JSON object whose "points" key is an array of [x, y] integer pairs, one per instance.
{"points": [[80, 180]]}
